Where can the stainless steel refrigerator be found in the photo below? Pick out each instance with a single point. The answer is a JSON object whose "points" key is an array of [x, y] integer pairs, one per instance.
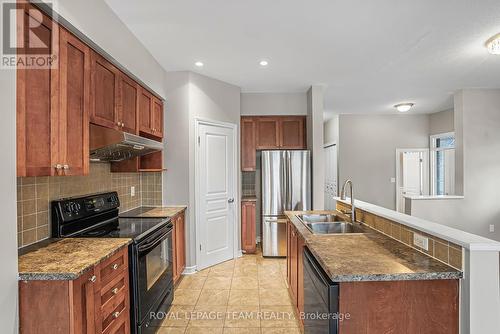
{"points": [[286, 186]]}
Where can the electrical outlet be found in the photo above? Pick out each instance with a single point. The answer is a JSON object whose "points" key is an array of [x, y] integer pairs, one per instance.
{"points": [[132, 191], [393, 180], [421, 241], [492, 228]]}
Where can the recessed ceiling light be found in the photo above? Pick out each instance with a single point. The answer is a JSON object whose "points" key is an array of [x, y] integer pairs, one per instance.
{"points": [[264, 63], [493, 45], [403, 107], [199, 64]]}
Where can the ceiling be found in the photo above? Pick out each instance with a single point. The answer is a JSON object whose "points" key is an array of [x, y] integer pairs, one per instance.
{"points": [[369, 55]]}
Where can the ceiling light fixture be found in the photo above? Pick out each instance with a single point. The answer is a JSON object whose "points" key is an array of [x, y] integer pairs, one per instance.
{"points": [[199, 64], [404, 107], [493, 45], [264, 63]]}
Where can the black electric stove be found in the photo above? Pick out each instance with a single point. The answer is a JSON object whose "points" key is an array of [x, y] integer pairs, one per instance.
{"points": [[150, 254]]}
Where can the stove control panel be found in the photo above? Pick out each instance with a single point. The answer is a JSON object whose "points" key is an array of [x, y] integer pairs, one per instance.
{"points": [[80, 207]]}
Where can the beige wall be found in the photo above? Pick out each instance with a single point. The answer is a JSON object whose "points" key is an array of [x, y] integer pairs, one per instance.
{"points": [[273, 104], [441, 122], [315, 144], [8, 240], [477, 116], [367, 152], [331, 130], [191, 96]]}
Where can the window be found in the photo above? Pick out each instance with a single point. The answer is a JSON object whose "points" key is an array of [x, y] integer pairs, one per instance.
{"points": [[443, 164]]}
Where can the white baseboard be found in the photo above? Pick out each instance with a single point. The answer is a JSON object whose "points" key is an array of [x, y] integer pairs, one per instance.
{"points": [[239, 253], [189, 270]]}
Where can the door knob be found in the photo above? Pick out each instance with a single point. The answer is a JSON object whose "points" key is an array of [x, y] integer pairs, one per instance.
{"points": [[230, 200]]}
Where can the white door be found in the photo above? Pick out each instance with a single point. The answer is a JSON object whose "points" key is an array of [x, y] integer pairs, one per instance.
{"points": [[216, 186], [330, 176], [413, 175]]}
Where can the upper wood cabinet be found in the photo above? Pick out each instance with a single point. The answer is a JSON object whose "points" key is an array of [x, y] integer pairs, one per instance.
{"points": [[145, 112], [128, 104], [150, 114], [267, 133], [248, 159], [270, 133], [74, 71], [104, 92], [53, 104], [292, 132], [157, 117], [37, 102]]}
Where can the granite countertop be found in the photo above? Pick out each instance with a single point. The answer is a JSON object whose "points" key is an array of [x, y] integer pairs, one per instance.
{"points": [[154, 211], [370, 256], [66, 259]]}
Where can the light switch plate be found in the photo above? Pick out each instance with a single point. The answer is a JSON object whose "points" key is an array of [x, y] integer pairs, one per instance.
{"points": [[393, 180], [421, 241], [492, 228], [132, 191]]}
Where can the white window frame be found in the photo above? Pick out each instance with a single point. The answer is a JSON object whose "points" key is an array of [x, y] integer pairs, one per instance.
{"points": [[432, 159]]}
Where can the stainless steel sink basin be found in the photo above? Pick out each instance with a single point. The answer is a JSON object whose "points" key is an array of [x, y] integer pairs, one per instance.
{"points": [[329, 224], [320, 218]]}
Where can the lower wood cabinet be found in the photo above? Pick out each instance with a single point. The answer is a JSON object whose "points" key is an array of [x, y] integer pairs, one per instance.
{"points": [[295, 274], [179, 246], [248, 227], [95, 302]]}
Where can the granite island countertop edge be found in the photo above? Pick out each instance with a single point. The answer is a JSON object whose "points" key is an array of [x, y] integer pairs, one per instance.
{"points": [[452, 273]]}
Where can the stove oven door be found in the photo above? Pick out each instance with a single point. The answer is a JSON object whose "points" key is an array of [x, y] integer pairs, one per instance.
{"points": [[155, 276]]}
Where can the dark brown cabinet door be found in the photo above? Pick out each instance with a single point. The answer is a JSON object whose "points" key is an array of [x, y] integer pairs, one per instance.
{"points": [[157, 117], [145, 112], [300, 274], [179, 246], [128, 104], [104, 92], [248, 151], [248, 232], [74, 72], [37, 97], [292, 130], [267, 134], [293, 264]]}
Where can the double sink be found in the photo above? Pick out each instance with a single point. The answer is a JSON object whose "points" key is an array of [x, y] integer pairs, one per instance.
{"points": [[329, 224]]}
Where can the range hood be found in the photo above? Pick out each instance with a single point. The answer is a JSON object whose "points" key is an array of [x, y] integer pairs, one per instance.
{"points": [[114, 145]]}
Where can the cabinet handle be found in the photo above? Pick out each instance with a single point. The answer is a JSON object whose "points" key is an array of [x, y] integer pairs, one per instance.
{"points": [[115, 266], [115, 291], [93, 278], [116, 314], [58, 166], [118, 123], [123, 124], [66, 167]]}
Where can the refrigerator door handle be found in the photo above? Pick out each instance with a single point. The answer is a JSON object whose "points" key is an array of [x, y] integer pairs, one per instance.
{"points": [[288, 166]]}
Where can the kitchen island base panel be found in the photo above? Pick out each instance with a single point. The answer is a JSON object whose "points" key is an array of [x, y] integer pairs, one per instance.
{"points": [[424, 307]]}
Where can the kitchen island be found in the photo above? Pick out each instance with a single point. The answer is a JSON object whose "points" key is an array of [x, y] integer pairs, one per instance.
{"points": [[382, 284]]}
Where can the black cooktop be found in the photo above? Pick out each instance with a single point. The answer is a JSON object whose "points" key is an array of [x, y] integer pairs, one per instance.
{"points": [[134, 228]]}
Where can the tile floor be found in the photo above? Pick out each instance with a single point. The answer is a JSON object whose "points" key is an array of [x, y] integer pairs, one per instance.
{"points": [[247, 295]]}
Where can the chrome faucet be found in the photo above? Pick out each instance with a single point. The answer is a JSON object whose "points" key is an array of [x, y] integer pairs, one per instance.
{"points": [[343, 197]]}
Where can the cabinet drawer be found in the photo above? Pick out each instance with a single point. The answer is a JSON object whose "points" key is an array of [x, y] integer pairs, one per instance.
{"points": [[114, 313], [113, 289], [113, 267]]}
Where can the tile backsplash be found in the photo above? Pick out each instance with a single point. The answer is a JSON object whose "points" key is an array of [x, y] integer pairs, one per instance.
{"points": [[35, 193], [438, 248]]}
